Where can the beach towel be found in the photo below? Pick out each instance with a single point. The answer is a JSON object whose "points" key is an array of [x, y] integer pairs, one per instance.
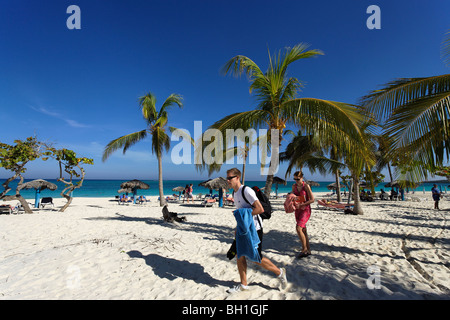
{"points": [[247, 239], [289, 203]]}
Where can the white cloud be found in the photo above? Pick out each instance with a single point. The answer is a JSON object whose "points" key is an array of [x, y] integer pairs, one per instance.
{"points": [[70, 122], [75, 124]]}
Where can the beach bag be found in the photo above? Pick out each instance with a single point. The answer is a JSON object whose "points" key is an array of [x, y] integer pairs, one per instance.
{"points": [[232, 251], [267, 214]]}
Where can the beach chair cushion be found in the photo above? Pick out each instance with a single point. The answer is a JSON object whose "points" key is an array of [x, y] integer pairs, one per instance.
{"points": [[46, 200]]}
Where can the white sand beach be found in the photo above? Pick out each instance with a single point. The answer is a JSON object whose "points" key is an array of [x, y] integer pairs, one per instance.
{"points": [[98, 249]]}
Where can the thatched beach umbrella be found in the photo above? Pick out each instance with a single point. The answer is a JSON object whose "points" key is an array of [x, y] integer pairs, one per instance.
{"points": [[134, 185], [313, 183], [179, 189], [216, 184], [392, 184], [333, 185], [38, 185], [397, 183], [203, 184], [277, 181]]}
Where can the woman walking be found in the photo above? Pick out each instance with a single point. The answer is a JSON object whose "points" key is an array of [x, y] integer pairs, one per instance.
{"points": [[302, 211]]}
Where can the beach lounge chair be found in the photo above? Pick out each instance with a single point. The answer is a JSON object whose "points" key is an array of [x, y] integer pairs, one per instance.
{"points": [[5, 209], [171, 216], [142, 200], [382, 196], [173, 199], [123, 199], [333, 205], [208, 202], [46, 201], [418, 199], [229, 201]]}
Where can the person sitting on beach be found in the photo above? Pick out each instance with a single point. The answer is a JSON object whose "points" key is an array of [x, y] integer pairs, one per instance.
{"points": [[393, 194], [142, 199], [124, 198], [362, 194], [233, 179]]}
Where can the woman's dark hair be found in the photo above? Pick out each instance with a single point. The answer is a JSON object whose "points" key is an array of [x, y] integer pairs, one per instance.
{"points": [[298, 174]]}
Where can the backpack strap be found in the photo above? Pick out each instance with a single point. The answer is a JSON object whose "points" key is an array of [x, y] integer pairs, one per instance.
{"points": [[257, 217], [243, 195]]}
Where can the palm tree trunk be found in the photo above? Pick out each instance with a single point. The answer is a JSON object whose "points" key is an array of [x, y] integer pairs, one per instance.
{"points": [[390, 173], [268, 186], [162, 201], [274, 158], [338, 186], [357, 207], [243, 172]]}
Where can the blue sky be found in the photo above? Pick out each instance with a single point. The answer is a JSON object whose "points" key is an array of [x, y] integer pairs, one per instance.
{"points": [[79, 88]]}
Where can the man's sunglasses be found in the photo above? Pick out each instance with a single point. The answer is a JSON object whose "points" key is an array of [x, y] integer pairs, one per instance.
{"points": [[229, 178]]}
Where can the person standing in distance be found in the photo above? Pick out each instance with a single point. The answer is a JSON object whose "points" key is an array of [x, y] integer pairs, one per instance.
{"points": [[436, 194], [234, 182]]}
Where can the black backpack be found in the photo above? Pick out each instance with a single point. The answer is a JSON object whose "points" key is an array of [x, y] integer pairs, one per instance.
{"points": [[264, 202]]}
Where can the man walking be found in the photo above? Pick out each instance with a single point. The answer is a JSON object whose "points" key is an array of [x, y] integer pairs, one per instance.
{"points": [[234, 181]]}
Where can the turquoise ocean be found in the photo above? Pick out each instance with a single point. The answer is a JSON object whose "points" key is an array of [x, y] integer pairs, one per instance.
{"points": [[109, 188]]}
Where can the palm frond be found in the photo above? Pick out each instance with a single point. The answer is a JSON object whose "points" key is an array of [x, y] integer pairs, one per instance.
{"points": [[172, 100], [148, 107], [399, 92], [445, 49], [124, 142], [411, 123], [161, 121], [241, 64], [296, 53], [242, 120], [416, 115], [182, 133], [308, 151], [317, 115], [160, 141]]}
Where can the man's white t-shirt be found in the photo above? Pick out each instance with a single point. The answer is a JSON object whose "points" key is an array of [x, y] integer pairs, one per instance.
{"points": [[251, 197]]}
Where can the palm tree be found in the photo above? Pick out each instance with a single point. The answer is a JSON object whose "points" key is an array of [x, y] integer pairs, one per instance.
{"points": [[228, 151], [278, 105], [416, 115], [310, 151], [156, 127], [306, 151]]}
